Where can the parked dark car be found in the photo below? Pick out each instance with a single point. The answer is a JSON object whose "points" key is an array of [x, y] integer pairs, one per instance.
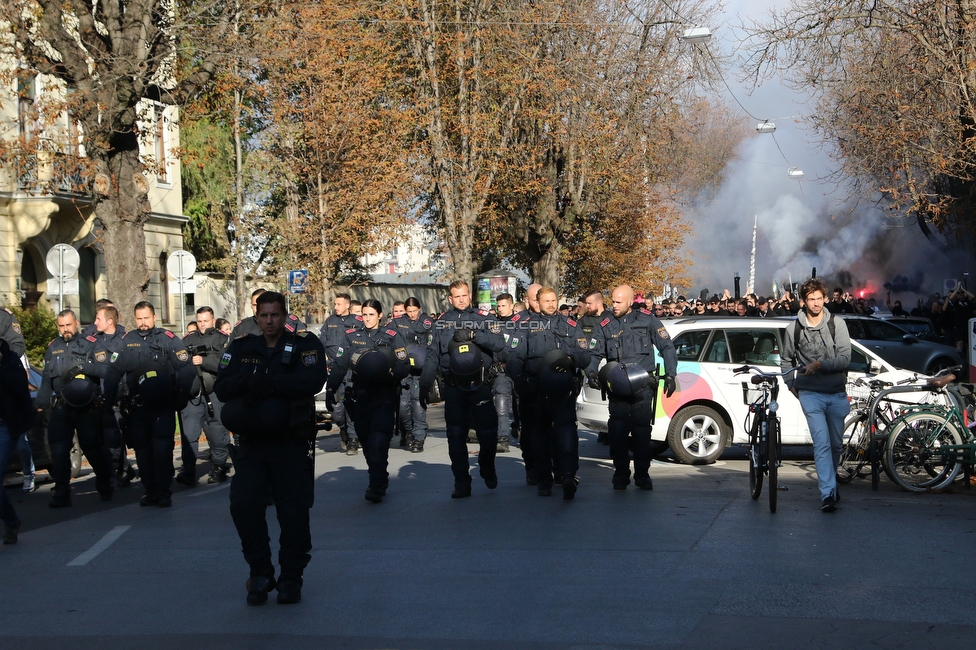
{"points": [[917, 325], [900, 347]]}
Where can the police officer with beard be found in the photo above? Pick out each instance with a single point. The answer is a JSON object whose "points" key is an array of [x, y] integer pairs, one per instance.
{"points": [[333, 338], [75, 401], [546, 364], [595, 314], [206, 345], [158, 377], [377, 357], [627, 342], [268, 385], [463, 344], [414, 328]]}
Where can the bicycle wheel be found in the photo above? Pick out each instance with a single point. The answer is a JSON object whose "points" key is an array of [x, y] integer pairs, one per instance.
{"points": [[913, 453], [854, 455], [756, 439], [772, 457]]}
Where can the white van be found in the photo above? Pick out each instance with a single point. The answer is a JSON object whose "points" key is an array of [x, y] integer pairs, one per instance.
{"points": [[707, 412]]}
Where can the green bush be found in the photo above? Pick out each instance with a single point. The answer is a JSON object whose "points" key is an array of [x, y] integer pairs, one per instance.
{"points": [[39, 327]]}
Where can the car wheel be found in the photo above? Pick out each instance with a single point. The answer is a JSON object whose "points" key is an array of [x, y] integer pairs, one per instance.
{"points": [[939, 364], [697, 435]]}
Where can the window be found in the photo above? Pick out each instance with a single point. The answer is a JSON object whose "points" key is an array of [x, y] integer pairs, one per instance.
{"points": [[881, 331], [859, 362], [855, 329], [754, 347], [689, 345], [161, 142], [718, 352], [26, 92]]}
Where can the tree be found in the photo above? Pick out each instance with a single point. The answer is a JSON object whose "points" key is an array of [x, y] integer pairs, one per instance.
{"points": [[895, 89], [111, 58]]}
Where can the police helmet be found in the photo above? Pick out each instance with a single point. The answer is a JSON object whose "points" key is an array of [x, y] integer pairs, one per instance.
{"points": [[626, 379], [557, 378], [371, 367], [466, 364], [416, 357], [78, 391], [154, 385]]}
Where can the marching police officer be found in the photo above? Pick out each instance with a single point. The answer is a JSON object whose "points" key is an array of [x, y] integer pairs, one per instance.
{"points": [[268, 385], [333, 338], [76, 406], [627, 342], [108, 346], [377, 357], [546, 364], [158, 377], [503, 389], [250, 325], [463, 344], [206, 345], [594, 315], [414, 328]]}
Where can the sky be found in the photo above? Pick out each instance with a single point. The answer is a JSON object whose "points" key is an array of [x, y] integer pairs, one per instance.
{"points": [[801, 225]]}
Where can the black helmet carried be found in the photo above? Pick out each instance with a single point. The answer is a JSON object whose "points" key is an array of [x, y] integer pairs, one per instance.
{"points": [[416, 356], [466, 364], [371, 367], [77, 390], [154, 385], [557, 377], [624, 379]]}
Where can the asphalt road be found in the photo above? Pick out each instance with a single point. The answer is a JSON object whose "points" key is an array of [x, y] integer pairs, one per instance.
{"points": [[694, 564]]}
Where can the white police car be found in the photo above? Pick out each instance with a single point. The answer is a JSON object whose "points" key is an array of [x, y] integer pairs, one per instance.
{"points": [[706, 414]]}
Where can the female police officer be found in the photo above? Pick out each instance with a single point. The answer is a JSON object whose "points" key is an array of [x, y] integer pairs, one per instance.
{"points": [[378, 359]]}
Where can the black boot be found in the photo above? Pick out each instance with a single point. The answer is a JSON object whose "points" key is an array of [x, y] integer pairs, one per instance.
{"points": [[258, 588], [289, 591]]}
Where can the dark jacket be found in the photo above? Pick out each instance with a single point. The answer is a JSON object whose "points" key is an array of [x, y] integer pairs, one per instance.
{"points": [[16, 409]]}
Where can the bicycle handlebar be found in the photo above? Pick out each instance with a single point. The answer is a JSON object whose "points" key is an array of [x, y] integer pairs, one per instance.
{"points": [[760, 373]]}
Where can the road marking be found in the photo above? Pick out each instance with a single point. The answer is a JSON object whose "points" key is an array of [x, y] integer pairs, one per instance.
{"points": [[99, 546], [209, 490]]}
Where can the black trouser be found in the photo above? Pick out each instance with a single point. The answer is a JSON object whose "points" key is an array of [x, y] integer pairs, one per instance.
{"points": [[556, 445], [630, 417], [151, 433], [461, 409], [112, 440], [60, 435], [527, 423], [287, 469], [374, 413]]}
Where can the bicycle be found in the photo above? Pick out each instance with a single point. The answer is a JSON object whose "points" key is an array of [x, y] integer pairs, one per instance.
{"points": [[765, 439]]}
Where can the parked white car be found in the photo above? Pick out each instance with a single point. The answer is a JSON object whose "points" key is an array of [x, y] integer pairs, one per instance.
{"points": [[707, 412]]}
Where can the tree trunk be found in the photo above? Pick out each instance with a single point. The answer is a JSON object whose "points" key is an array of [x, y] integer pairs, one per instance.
{"points": [[545, 270]]}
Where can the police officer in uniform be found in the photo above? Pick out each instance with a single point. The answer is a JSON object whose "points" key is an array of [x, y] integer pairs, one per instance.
{"points": [[526, 425], [268, 385], [595, 313], [250, 325], [206, 345], [333, 338], [16, 414], [158, 377], [414, 327], [108, 347], [463, 344], [546, 362], [377, 357], [76, 406], [11, 333], [503, 389], [627, 341]]}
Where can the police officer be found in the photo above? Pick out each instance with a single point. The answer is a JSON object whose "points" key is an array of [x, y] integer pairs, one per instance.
{"points": [[546, 363], [414, 328], [158, 377], [526, 424], [108, 346], [595, 313], [11, 333], [92, 329], [377, 357], [463, 343], [16, 414], [76, 406], [268, 385], [250, 325], [627, 342], [206, 345], [333, 338], [502, 390]]}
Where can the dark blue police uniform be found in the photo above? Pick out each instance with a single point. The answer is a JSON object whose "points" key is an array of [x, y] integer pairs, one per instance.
{"points": [[333, 338], [107, 348], [413, 417]]}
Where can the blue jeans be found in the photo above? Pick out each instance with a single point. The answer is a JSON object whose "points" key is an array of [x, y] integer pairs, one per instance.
{"points": [[7, 441], [825, 413], [26, 457]]}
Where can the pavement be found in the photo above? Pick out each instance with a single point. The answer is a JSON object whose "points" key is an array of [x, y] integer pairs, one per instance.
{"points": [[694, 564]]}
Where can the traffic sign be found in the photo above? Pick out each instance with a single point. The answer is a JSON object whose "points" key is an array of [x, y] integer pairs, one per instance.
{"points": [[298, 281], [63, 286], [62, 261], [181, 265]]}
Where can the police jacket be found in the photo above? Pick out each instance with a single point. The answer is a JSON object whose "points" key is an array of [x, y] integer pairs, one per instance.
{"points": [[487, 336], [62, 355], [589, 323], [333, 334], [632, 338], [16, 409], [210, 345], [250, 326], [157, 355], [414, 332], [544, 334], [269, 392], [383, 339], [105, 352], [11, 333]]}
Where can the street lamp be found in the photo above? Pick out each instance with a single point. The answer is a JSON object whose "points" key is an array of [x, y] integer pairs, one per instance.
{"points": [[766, 127], [795, 172], [696, 34]]}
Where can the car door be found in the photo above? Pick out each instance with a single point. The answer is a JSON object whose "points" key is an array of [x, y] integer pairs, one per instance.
{"points": [[888, 341]]}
